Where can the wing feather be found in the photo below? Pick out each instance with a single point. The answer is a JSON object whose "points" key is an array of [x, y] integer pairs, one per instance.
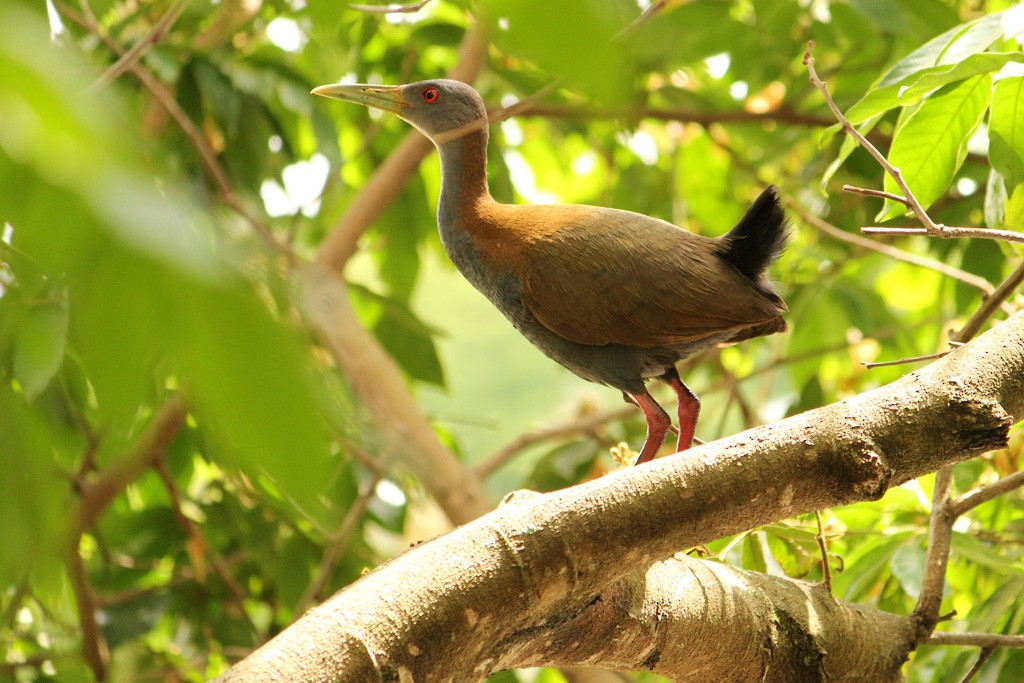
{"points": [[617, 277]]}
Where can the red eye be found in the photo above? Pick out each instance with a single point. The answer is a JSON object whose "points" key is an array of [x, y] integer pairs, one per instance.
{"points": [[430, 95]]}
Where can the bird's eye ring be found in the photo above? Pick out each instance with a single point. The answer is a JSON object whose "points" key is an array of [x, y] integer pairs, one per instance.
{"points": [[431, 95]]}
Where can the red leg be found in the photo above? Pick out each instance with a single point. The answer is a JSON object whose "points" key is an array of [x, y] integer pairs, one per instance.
{"points": [[658, 423], [689, 409]]}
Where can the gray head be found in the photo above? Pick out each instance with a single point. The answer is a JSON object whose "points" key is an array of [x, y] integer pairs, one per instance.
{"points": [[435, 107]]}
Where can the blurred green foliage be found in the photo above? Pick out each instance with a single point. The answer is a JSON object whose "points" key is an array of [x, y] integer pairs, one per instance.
{"points": [[137, 210]]}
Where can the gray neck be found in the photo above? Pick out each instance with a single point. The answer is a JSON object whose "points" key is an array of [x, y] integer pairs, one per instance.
{"points": [[463, 181]]}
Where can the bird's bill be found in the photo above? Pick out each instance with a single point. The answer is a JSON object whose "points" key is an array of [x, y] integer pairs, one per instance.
{"points": [[384, 97]]}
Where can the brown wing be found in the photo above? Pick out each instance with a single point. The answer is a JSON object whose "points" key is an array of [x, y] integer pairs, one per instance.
{"points": [[616, 277]]}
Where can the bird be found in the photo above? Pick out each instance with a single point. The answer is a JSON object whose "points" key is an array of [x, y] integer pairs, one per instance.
{"points": [[615, 296]]}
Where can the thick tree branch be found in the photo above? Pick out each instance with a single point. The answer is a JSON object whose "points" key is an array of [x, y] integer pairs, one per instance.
{"points": [[456, 605]]}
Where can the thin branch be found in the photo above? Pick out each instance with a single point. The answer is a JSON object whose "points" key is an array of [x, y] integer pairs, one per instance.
{"points": [[645, 16], [970, 279], [516, 108], [338, 544], [826, 570], [98, 492], [983, 494], [908, 195], [988, 307], [867, 192], [983, 656], [949, 231], [975, 639], [632, 112], [581, 425], [156, 34], [940, 532], [905, 361], [94, 645]]}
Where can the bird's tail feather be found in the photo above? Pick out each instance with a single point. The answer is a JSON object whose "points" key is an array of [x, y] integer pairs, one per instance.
{"points": [[760, 236]]}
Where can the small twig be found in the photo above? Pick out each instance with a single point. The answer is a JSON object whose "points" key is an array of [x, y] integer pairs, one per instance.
{"points": [[949, 231], [940, 532], [94, 645], [975, 639], [502, 114], [826, 570], [98, 492], [867, 192], [983, 656], [904, 361], [582, 425], [908, 195], [338, 544], [644, 17], [391, 9], [988, 307], [981, 284], [155, 35], [983, 494]]}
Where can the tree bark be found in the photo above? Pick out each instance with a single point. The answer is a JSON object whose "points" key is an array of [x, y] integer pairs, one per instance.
{"points": [[583, 576]]}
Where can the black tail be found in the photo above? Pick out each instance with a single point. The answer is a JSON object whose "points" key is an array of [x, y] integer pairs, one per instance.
{"points": [[759, 237]]}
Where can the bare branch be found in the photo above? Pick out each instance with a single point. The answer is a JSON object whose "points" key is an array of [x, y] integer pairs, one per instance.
{"points": [[99, 491], [826, 569], [981, 284], [94, 645], [905, 361], [575, 576], [983, 656], [948, 232], [989, 306], [975, 639], [155, 35], [983, 494], [582, 425], [338, 544], [909, 199], [867, 192], [940, 532]]}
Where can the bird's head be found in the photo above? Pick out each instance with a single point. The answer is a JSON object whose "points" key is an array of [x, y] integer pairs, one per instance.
{"points": [[435, 107]]}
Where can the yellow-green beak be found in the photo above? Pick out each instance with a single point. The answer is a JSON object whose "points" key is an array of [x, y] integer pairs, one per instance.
{"points": [[384, 97]]}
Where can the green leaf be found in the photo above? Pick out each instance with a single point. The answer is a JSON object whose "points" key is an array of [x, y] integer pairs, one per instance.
{"points": [[931, 144], [753, 553], [559, 37], [953, 46], [912, 88], [562, 466], [33, 494], [1006, 130], [907, 566], [39, 346], [1014, 218], [408, 340], [995, 200]]}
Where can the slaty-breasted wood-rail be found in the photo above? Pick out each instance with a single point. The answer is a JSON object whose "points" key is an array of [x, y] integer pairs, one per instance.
{"points": [[615, 296]]}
